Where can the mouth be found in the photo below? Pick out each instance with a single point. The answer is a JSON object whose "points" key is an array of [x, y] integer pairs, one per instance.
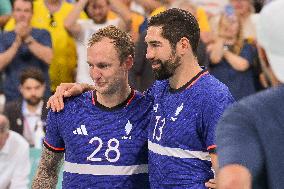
{"points": [[155, 64]]}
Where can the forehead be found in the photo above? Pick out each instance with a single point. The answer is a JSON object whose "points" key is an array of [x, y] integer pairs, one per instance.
{"points": [[154, 33], [98, 2], [102, 51], [30, 82], [22, 4]]}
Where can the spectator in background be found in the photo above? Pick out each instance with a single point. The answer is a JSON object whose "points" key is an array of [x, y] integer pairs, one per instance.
{"points": [[27, 115], [50, 15], [82, 29], [250, 134], [231, 57], [5, 11], [14, 158], [62, 68], [22, 48], [245, 11], [136, 19]]}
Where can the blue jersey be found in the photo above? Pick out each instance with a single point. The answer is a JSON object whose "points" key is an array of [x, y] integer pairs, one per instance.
{"points": [[182, 131], [104, 147]]}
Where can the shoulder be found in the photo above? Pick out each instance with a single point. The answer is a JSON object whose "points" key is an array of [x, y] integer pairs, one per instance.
{"points": [[78, 101], [13, 105], [17, 140], [268, 99], [213, 88], [72, 106], [40, 31]]}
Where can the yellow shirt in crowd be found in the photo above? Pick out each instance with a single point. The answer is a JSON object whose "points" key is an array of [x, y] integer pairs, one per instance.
{"points": [[63, 65]]}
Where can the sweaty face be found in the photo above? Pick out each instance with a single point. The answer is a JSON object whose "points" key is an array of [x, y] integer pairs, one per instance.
{"points": [[160, 54], [106, 70], [98, 11], [32, 91]]}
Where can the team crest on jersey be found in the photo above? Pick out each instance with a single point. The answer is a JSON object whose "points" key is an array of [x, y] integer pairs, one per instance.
{"points": [[128, 128], [178, 110]]}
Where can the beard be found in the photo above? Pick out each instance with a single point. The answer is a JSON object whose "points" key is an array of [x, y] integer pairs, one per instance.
{"points": [[167, 68], [33, 101]]}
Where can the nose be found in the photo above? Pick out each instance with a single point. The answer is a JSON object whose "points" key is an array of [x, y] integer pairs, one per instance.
{"points": [[150, 53], [95, 74]]}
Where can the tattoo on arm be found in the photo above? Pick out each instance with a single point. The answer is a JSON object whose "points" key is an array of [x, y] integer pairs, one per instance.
{"points": [[47, 173]]}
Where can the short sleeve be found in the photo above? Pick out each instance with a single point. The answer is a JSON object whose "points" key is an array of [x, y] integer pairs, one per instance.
{"points": [[215, 106], [237, 140], [44, 38], [53, 139], [2, 43]]}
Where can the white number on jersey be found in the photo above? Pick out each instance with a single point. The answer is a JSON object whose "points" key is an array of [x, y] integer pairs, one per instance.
{"points": [[157, 128], [109, 149]]}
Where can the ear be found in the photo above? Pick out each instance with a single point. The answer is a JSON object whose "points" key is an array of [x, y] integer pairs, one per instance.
{"points": [[183, 46], [128, 62]]}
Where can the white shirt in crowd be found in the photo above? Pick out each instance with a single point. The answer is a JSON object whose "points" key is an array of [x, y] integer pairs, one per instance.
{"points": [[14, 163], [33, 125]]}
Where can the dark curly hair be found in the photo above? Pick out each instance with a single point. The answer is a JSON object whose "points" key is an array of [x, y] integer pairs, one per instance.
{"points": [[177, 23], [122, 41]]}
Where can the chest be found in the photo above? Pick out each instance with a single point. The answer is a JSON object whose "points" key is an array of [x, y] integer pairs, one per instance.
{"points": [[175, 121]]}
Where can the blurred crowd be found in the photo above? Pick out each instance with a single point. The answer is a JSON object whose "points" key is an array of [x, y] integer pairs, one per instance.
{"points": [[43, 43]]}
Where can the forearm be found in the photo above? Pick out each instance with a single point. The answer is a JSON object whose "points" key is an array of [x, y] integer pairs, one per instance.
{"points": [[42, 52], [149, 5], [123, 11], [7, 56], [47, 173], [237, 62], [87, 87], [70, 22]]}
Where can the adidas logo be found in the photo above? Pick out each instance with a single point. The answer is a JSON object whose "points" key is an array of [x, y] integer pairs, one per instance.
{"points": [[81, 130]]}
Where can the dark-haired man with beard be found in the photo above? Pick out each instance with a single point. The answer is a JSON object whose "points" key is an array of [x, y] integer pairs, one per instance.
{"points": [[27, 114], [187, 103]]}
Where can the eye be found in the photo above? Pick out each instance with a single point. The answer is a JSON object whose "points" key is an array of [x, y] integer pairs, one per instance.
{"points": [[91, 66], [102, 66]]}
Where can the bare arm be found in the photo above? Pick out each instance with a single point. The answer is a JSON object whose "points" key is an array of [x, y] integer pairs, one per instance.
{"points": [[233, 177], [215, 51], [55, 102], [149, 5], [236, 61], [212, 182], [7, 56], [70, 22], [42, 52], [124, 12], [47, 173]]}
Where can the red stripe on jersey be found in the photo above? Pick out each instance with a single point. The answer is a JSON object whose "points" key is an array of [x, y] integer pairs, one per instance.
{"points": [[133, 95], [93, 98], [212, 147], [54, 148], [193, 82]]}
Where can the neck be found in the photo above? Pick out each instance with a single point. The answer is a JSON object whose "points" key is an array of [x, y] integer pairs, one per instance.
{"points": [[185, 72], [32, 108], [114, 99]]}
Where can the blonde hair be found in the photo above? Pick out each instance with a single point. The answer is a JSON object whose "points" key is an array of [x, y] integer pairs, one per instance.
{"points": [[237, 46]]}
